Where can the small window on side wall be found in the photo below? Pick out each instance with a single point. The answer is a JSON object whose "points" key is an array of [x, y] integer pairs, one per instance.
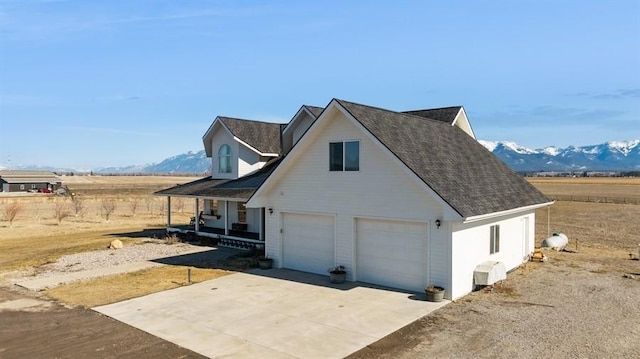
{"points": [[344, 156], [213, 207], [494, 239]]}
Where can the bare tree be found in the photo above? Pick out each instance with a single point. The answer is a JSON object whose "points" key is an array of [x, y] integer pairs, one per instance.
{"points": [[149, 203], [79, 208], [11, 211], [161, 207], [179, 204], [108, 206], [133, 206], [61, 210]]}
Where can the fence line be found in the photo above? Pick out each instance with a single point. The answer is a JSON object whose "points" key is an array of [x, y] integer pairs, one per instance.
{"points": [[595, 199]]}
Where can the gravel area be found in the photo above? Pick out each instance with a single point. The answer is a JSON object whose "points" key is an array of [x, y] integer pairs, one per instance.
{"points": [[148, 250], [564, 308]]}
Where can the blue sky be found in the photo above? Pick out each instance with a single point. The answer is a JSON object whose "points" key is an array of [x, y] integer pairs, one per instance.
{"points": [[85, 84]]}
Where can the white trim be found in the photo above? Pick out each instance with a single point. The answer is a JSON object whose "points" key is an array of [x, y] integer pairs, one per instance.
{"points": [[505, 213], [295, 117], [266, 154], [230, 199]]}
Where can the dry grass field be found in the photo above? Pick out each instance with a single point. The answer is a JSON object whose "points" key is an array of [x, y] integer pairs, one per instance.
{"points": [[49, 226], [590, 189]]}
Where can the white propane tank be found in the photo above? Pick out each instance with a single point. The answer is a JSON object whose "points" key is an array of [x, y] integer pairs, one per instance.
{"points": [[557, 241]]}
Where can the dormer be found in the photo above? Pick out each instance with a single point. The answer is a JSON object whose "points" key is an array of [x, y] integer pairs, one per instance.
{"points": [[455, 116], [238, 147], [298, 125]]}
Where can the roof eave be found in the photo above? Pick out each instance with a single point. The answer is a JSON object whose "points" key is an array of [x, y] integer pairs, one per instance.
{"points": [[507, 212]]}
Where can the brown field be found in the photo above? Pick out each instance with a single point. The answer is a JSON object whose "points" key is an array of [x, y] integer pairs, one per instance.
{"points": [[591, 189]]}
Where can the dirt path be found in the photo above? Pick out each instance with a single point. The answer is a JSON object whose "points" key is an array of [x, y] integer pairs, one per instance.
{"points": [[35, 327], [565, 308]]}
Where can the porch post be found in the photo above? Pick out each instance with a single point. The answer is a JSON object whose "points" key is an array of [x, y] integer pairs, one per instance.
{"points": [[197, 215], [168, 211], [226, 218]]}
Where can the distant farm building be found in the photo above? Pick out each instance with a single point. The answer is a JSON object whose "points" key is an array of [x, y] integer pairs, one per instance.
{"points": [[22, 181]]}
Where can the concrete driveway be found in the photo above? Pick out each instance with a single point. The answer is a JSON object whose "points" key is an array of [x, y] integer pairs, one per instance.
{"points": [[275, 313]]}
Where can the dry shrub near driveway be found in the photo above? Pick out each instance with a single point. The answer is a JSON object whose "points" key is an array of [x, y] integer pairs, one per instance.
{"points": [[108, 206], [61, 210], [121, 287], [11, 211]]}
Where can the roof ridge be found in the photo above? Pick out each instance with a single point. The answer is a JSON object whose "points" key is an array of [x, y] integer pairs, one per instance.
{"points": [[247, 120], [387, 110]]}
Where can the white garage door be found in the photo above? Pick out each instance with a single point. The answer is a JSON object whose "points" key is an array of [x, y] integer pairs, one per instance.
{"points": [[308, 242], [392, 253]]}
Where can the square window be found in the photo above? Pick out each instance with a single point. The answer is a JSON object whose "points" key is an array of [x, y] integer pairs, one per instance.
{"points": [[344, 156], [494, 239]]}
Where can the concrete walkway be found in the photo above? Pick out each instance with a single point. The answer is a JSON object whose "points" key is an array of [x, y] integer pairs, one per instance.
{"points": [[39, 284], [276, 313]]}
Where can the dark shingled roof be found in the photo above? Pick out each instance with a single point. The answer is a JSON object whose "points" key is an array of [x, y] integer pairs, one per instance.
{"points": [[459, 169], [316, 111], [444, 114], [241, 188], [263, 136]]}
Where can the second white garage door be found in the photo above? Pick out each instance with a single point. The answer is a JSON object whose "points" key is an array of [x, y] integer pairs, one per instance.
{"points": [[392, 253], [308, 242]]}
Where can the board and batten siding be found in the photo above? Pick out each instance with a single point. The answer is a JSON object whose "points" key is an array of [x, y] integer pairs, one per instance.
{"points": [[470, 247], [380, 189]]}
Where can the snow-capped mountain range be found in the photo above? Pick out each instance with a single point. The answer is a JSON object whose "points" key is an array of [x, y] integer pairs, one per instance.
{"points": [[609, 156]]}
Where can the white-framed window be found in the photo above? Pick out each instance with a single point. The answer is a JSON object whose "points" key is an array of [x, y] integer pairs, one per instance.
{"points": [[224, 159], [242, 212], [213, 207], [344, 156], [494, 239]]}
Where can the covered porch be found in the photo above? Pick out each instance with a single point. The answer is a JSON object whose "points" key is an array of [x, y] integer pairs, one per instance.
{"points": [[220, 211]]}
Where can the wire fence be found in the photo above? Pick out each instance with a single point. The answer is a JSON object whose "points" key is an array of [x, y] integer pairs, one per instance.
{"points": [[596, 199]]}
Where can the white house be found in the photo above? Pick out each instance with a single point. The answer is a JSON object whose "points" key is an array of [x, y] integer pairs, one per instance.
{"points": [[400, 199]]}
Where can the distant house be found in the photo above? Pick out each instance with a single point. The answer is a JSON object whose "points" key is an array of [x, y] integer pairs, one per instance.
{"points": [[22, 181], [400, 199]]}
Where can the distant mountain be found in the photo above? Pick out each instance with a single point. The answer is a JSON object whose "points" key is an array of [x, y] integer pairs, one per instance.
{"points": [[609, 156], [190, 162]]}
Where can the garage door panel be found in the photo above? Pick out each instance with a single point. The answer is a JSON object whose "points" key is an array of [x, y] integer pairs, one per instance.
{"points": [[392, 253], [308, 242]]}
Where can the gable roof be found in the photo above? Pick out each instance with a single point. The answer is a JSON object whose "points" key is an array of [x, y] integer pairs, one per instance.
{"points": [[455, 166], [316, 111], [263, 136], [444, 114]]}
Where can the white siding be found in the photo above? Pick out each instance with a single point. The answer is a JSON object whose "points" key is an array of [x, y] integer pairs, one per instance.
{"points": [[248, 161], [470, 247], [300, 128], [381, 189]]}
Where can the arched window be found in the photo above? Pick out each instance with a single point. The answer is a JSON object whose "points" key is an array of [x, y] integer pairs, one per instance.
{"points": [[224, 159]]}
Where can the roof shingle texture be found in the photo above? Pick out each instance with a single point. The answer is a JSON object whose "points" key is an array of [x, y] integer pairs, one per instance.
{"points": [[11, 176], [241, 188], [263, 136], [316, 111], [444, 114], [460, 170]]}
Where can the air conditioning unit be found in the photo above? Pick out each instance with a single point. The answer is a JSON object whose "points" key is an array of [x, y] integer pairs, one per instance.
{"points": [[489, 272]]}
